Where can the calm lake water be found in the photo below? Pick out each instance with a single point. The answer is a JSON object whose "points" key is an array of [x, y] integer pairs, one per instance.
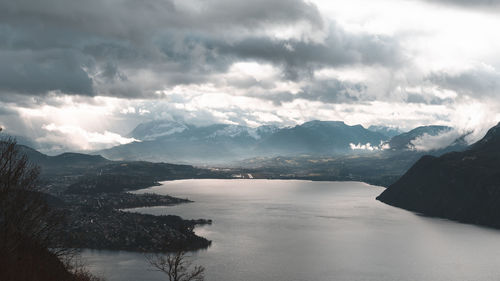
{"points": [[282, 230]]}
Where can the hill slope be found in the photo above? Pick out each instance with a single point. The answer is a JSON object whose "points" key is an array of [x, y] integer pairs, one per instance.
{"points": [[405, 140], [463, 186], [65, 163]]}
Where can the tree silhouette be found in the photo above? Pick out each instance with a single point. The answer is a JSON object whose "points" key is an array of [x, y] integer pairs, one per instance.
{"points": [[28, 226], [177, 266], [24, 214]]}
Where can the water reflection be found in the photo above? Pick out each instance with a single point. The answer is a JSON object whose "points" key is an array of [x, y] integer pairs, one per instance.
{"points": [[301, 230]]}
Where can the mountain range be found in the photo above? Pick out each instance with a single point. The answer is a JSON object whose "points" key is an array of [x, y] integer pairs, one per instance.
{"points": [[173, 141]]}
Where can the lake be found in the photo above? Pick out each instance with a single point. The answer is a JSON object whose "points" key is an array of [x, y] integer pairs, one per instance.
{"points": [[286, 230]]}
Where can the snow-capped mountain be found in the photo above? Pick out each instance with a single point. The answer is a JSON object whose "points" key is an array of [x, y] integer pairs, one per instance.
{"points": [[158, 128], [179, 142]]}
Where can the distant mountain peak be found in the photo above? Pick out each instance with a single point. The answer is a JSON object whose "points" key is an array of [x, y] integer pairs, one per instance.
{"points": [[233, 131], [230, 130], [315, 123], [385, 130], [157, 128]]}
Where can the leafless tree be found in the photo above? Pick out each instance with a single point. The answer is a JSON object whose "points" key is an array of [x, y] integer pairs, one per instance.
{"points": [[23, 212], [28, 226], [177, 266]]}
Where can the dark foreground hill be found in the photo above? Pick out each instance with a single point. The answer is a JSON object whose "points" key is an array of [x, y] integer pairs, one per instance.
{"points": [[462, 186], [31, 262]]}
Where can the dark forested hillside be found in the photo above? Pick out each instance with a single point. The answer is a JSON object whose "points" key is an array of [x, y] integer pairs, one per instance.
{"points": [[462, 186]]}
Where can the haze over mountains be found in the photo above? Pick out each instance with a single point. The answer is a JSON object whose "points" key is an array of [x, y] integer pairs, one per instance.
{"points": [[172, 141]]}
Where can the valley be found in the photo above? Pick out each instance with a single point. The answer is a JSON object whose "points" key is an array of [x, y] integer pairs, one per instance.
{"points": [[92, 190]]}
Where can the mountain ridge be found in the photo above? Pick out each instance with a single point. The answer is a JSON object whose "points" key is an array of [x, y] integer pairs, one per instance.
{"points": [[216, 144], [221, 143]]}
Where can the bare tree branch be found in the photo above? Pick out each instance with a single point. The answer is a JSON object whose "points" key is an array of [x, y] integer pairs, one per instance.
{"points": [[176, 266]]}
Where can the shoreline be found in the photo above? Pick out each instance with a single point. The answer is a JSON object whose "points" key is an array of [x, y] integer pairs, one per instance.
{"points": [[107, 221], [101, 222]]}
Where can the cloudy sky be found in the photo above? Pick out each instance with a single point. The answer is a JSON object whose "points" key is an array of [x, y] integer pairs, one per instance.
{"points": [[80, 75]]}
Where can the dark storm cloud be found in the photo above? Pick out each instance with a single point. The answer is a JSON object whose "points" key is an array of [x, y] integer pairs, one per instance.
{"points": [[40, 72], [334, 91], [135, 19], [116, 50], [131, 49], [110, 72], [475, 83], [195, 57], [298, 57], [426, 99], [326, 91], [77, 46]]}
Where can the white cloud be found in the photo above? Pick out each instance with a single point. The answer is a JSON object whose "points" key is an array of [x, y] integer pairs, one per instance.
{"points": [[428, 142], [368, 146], [81, 139], [128, 110]]}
